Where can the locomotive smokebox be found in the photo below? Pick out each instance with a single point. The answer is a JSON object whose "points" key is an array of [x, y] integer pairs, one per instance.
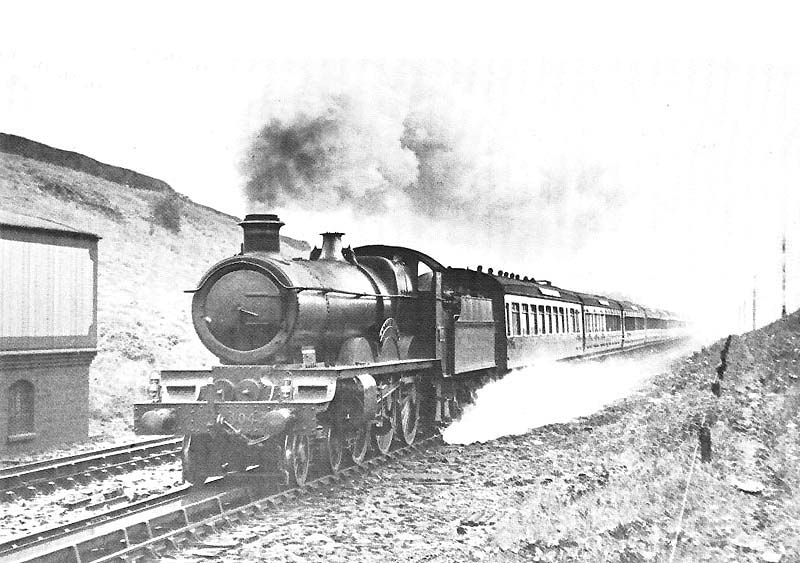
{"points": [[261, 233]]}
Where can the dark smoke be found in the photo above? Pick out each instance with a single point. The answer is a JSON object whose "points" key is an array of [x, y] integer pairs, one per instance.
{"points": [[292, 161], [344, 153], [339, 156]]}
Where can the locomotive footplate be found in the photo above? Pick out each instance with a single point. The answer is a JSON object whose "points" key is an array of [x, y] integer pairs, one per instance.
{"points": [[259, 401]]}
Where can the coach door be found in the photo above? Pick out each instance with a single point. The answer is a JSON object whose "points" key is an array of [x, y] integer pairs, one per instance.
{"points": [[474, 335]]}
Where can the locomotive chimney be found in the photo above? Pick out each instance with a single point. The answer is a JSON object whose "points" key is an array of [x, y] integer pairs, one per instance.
{"points": [[332, 247], [261, 233]]}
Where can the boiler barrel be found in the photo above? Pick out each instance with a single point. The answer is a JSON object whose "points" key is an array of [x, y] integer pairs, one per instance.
{"points": [[250, 308]]}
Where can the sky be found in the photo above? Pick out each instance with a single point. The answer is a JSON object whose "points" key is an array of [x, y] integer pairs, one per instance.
{"points": [[649, 151]]}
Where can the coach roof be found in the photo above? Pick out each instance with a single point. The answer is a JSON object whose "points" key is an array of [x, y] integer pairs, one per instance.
{"points": [[536, 289]]}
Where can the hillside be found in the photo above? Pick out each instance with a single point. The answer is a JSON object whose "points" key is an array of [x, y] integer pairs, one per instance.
{"points": [[143, 314], [14, 144]]}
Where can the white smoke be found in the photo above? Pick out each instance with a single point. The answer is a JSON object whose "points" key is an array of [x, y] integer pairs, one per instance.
{"points": [[550, 393]]}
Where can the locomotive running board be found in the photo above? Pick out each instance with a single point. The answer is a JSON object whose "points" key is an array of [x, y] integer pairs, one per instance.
{"points": [[313, 389]]}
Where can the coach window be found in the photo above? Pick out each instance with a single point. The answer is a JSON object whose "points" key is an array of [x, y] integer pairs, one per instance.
{"points": [[20, 411], [508, 321], [549, 311], [526, 320], [562, 316], [516, 325], [534, 322], [542, 324]]}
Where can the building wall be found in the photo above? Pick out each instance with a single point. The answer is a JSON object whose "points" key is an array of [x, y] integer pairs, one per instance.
{"points": [[48, 334], [61, 399], [48, 290]]}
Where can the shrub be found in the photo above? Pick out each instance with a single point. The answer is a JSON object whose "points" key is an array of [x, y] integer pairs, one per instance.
{"points": [[167, 211]]}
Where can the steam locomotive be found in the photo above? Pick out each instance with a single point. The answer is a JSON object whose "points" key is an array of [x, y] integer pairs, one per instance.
{"points": [[326, 357]]}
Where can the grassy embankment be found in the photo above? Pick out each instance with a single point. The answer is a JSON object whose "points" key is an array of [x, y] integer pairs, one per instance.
{"points": [[143, 315], [622, 499]]}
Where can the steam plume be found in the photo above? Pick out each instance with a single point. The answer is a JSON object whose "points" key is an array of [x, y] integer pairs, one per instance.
{"points": [[374, 156], [551, 393]]}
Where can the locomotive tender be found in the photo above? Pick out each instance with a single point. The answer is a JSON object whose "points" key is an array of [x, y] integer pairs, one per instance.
{"points": [[323, 357]]}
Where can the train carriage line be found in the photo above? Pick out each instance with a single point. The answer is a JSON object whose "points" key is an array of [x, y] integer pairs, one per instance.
{"points": [[325, 357]]}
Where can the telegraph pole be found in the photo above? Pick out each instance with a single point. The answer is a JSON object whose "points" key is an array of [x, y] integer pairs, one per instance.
{"points": [[783, 280], [754, 302]]}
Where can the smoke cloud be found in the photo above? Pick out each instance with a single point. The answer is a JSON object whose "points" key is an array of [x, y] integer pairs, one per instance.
{"points": [[338, 153], [383, 155]]}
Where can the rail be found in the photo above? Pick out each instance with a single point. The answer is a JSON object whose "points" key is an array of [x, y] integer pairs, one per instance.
{"points": [[28, 479], [150, 531]]}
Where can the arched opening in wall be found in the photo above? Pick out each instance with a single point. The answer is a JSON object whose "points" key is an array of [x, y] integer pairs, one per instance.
{"points": [[20, 411]]}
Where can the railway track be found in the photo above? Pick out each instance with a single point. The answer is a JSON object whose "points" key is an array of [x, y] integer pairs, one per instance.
{"points": [[30, 479], [151, 527]]}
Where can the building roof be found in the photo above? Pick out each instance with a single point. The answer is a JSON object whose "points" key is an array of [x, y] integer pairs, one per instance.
{"points": [[27, 222]]}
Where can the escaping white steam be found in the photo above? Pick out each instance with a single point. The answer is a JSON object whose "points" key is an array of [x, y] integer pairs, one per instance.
{"points": [[549, 393]]}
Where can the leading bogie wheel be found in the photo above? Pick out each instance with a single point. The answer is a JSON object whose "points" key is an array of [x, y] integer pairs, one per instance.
{"points": [[409, 413], [298, 457]]}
